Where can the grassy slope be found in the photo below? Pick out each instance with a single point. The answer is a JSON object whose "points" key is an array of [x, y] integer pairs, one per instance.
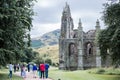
{"points": [[51, 51], [4, 75], [56, 74]]}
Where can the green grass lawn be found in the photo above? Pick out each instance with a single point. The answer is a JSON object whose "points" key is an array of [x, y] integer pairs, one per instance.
{"points": [[56, 74], [4, 75]]}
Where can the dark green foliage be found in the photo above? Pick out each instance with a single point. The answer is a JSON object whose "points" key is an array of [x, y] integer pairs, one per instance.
{"points": [[49, 61], [108, 71], [38, 59], [103, 40], [15, 23], [28, 55], [109, 38], [100, 71]]}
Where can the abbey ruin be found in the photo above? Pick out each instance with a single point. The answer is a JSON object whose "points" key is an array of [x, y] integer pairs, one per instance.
{"points": [[77, 49]]}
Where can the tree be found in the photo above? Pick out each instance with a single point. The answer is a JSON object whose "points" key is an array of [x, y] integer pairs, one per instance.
{"points": [[109, 38], [28, 55], [15, 24], [38, 59]]}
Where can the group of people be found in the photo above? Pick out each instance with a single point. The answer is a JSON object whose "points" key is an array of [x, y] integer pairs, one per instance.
{"points": [[41, 70], [16, 67]]}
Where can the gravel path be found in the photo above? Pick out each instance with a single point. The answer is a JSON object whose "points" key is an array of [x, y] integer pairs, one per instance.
{"points": [[29, 76]]}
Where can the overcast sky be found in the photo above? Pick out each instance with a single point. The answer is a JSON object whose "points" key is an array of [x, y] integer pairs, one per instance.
{"points": [[48, 14]]}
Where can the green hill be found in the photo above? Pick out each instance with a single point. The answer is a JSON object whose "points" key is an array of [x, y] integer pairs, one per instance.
{"points": [[37, 43], [47, 39]]}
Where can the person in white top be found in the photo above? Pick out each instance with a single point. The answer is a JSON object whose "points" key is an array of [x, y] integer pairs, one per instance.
{"points": [[10, 70]]}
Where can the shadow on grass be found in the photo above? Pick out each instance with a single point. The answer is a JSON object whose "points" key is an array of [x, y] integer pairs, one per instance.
{"points": [[4, 76]]}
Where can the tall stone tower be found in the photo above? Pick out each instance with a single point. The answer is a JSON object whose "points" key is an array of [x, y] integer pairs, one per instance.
{"points": [[67, 44], [77, 49], [66, 23]]}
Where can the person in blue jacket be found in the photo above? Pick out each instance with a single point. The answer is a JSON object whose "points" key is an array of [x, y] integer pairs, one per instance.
{"points": [[34, 70], [46, 69]]}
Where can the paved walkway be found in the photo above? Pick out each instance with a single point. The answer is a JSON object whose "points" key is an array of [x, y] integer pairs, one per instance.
{"points": [[29, 76]]}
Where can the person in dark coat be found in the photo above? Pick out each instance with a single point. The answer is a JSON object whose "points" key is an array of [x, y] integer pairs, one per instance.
{"points": [[46, 70], [28, 67]]}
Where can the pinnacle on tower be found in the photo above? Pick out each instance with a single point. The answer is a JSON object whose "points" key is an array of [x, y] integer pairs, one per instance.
{"points": [[66, 3], [80, 24], [97, 24], [67, 9]]}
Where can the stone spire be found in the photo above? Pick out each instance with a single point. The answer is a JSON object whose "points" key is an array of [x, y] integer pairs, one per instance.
{"points": [[66, 10], [97, 24], [66, 23], [79, 24]]}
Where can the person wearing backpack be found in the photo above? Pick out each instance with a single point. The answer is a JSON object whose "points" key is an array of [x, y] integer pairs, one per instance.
{"points": [[42, 69]]}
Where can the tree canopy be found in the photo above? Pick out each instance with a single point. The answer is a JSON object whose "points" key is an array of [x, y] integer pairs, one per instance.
{"points": [[15, 24], [109, 38]]}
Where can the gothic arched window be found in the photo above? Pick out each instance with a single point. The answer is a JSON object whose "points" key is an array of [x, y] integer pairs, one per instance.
{"points": [[89, 48]]}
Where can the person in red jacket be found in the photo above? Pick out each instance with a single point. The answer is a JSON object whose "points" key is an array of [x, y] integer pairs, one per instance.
{"points": [[42, 69]]}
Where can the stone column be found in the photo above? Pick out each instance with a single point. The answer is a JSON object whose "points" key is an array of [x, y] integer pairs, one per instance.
{"points": [[80, 45], [98, 57], [80, 56]]}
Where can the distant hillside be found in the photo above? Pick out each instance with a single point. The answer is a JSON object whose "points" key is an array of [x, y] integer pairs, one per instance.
{"points": [[52, 52], [50, 39]]}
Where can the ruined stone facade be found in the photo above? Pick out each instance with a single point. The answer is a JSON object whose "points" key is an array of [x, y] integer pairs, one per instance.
{"points": [[77, 49]]}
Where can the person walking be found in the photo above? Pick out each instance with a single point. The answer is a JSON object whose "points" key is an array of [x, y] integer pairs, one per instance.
{"points": [[31, 67], [10, 70], [18, 67], [34, 70], [23, 71], [15, 66], [39, 71], [46, 70], [42, 69], [28, 67]]}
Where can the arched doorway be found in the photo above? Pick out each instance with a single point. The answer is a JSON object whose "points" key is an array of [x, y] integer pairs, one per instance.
{"points": [[88, 55], [73, 56], [88, 48]]}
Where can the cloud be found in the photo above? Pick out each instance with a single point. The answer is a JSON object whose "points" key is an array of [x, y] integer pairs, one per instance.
{"points": [[45, 3], [40, 29], [48, 14]]}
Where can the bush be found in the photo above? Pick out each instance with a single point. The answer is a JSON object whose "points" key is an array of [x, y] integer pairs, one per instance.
{"points": [[49, 61], [112, 71], [108, 71], [55, 64], [38, 60], [100, 71]]}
